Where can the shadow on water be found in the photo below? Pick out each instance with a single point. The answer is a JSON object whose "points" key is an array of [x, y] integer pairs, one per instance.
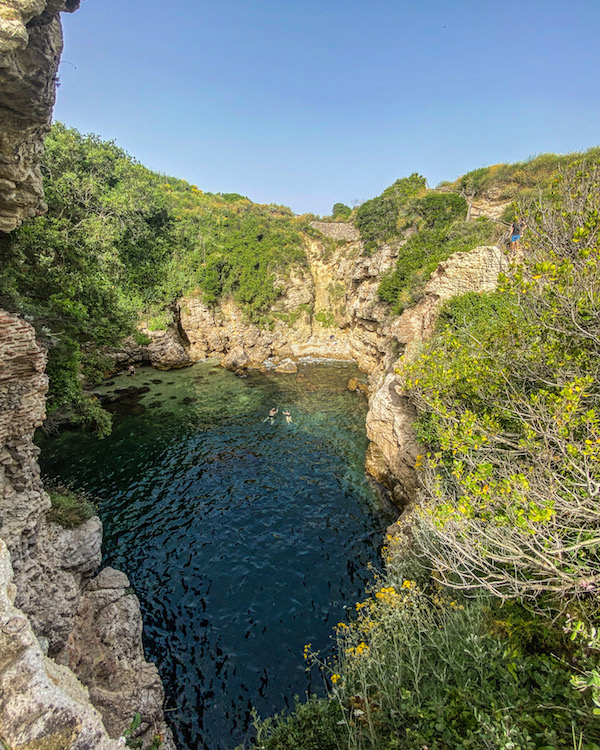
{"points": [[244, 539]]}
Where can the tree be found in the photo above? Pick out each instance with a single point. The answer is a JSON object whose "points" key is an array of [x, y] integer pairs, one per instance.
{"points": [[341, 210]]}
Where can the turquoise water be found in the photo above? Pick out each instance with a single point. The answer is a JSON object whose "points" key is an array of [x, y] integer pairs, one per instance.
{"points": [[244, 539]]}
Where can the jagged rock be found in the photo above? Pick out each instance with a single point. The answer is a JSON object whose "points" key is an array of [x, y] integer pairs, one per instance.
{"points": [[105, 651], [42, 705], [236, 359], [30, 47], [51, 576], [287, 366]]}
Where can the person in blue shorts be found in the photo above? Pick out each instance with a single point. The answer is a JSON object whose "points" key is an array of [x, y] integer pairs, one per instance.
{"points": [[515, 235]]}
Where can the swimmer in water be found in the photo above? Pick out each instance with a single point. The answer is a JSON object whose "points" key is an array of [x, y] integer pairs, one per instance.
{"points": [[272, 414], [288, 416]]}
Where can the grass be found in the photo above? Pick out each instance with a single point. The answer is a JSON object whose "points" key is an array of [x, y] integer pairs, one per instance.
{"points": [[70, 508]]}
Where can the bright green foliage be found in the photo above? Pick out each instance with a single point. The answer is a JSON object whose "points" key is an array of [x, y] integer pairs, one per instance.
{"points": [[341, 210], [380, 219], [421, 666], [119, 241], [419, 256], [509, 395]]}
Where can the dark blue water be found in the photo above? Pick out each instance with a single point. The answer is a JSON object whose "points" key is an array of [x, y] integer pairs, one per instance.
{"points": [[244, 540]]}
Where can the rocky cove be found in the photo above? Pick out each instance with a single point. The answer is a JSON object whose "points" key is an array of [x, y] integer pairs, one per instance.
{"points": [[72, 667], [90, 625]]}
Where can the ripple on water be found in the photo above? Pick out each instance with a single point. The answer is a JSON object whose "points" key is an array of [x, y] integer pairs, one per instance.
{"points": [[243, 539]]}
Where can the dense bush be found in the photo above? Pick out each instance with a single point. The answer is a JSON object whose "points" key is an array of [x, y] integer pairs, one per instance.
{"points": [[341, 210], [379, 219], [509, 396]]}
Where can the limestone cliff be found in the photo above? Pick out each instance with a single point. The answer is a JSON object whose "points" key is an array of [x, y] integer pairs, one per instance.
{"points": [[30, 47]]}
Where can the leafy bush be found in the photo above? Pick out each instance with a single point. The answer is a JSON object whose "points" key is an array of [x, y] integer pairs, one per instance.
{"points": [[341, 210], [377, 219], [510, 397], [313, 725]]}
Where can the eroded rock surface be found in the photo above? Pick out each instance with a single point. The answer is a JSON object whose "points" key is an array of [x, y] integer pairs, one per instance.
{"points": [[30, 47], [42, 705], [80, 620]]}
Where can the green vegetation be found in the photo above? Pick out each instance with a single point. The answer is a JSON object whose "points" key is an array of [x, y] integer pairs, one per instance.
{"points": [[120, 242], [380, 219], [520, 180], [420, 255], [70, 508], [341, 211], [326, 318], [482, 631]]}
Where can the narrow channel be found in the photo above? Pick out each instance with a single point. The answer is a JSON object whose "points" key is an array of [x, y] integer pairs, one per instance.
{"points": [[244, 537]]}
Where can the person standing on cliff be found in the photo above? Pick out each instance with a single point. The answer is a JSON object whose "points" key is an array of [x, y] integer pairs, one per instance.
{"points": [[515, 234]]}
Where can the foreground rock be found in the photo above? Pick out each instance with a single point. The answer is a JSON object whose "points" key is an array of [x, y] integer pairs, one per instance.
{"points": [[42, 705]]}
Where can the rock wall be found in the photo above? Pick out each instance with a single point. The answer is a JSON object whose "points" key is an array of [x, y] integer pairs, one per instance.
{"points": [[30, 47], [92, 625]]}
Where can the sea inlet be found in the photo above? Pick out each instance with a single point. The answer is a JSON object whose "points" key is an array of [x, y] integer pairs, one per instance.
{"points": [[244, 536]]}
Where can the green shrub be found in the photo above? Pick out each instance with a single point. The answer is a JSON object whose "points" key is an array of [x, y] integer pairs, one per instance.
{"points": [[509, 397], [141, 338], [378, 219], [341, 210], [313, 725], [70, 508]]}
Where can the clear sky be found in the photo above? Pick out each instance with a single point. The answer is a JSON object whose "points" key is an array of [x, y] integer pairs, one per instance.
{"points": [[307, 103]]}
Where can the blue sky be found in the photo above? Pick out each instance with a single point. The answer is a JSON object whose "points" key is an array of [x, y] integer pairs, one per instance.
{"points": [[307, 103]]}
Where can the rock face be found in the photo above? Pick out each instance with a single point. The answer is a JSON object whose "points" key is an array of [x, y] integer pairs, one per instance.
{"points": [[30, 47], [42, 705], [79, 619]]}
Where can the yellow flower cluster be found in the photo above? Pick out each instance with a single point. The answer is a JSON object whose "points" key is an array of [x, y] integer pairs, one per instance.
{"points": [[307, 650], [335, 678], [357, 650]]}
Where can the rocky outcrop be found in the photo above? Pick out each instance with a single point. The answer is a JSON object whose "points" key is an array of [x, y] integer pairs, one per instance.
{"points": [[104, 651], [30, 47], [78, 619], [42, 705]]}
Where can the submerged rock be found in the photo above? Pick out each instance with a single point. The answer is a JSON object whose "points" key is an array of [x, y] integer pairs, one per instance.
{"points": [[287, 366]]}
